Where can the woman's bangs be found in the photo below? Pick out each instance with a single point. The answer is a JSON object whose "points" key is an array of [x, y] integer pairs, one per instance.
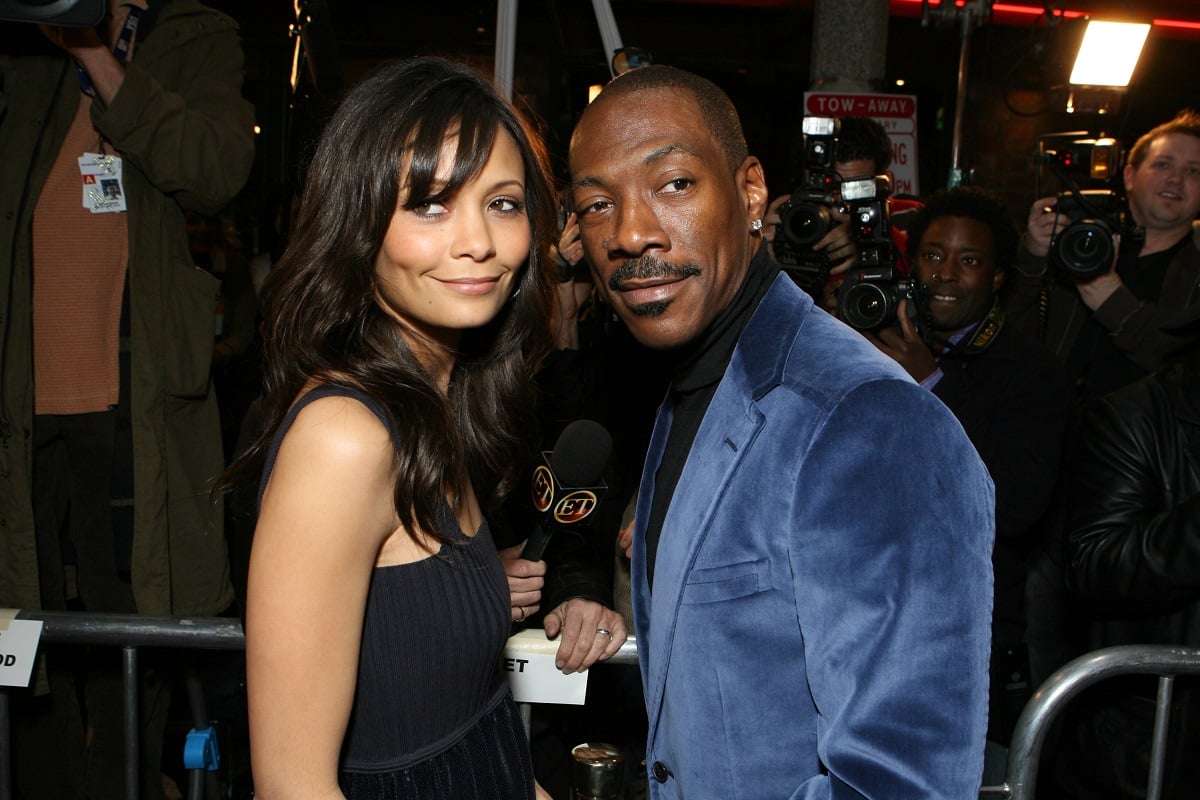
{"points": [[475, 130]]}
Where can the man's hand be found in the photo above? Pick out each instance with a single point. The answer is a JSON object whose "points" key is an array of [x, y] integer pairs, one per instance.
{"points": [[771, 220], [838, 244], [86, 47], [1095, 291], [906, 347], [590, 633], [570, 247], [625, 538], [570, 298], [72, 40], [1043, 223], [829, 294], [572, 294], [525, 581]]}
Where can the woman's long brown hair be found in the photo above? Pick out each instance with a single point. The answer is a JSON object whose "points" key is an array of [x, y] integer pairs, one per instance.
{"points": [[323, 323]]}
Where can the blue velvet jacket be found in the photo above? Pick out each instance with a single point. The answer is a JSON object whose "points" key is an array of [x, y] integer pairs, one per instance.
{"points": [[819, 626]]}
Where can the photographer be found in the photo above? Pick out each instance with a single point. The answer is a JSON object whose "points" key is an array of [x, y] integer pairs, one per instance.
{"points": [[1008, 393], [1107, 330], [863, 149], [109, 430]]}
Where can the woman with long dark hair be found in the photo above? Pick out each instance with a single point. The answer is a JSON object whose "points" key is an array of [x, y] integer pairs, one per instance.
{"points": [[404, 324]]}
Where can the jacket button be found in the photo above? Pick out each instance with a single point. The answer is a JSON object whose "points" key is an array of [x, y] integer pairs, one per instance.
{"points": [[661, 773]]}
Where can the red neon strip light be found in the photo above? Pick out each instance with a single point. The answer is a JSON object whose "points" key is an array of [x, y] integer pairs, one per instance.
{"points": [[1006, 7], [1034, 11], [1177, 23]]}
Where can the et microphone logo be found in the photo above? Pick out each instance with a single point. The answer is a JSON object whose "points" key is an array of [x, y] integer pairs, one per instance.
{"points": [[543, 488], [574, 506]]}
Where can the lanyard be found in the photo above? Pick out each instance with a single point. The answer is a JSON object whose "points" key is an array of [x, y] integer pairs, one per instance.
{"points": [[120, 48]]}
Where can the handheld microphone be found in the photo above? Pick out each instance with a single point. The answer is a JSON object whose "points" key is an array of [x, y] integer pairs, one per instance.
{"points": [[567, 486]]}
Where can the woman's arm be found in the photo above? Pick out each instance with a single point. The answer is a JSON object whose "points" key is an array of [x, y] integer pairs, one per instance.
{"points": [[326, 512]]}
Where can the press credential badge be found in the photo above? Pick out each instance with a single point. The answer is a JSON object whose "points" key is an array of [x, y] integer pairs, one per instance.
{"points": [[18, 647], [103, 188]]}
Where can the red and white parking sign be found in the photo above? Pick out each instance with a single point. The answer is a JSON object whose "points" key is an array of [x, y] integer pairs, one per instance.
{"points": [[898, 115]]}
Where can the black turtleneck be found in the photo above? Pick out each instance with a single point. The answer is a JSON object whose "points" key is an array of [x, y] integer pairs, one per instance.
{"points": [[699, 368]]}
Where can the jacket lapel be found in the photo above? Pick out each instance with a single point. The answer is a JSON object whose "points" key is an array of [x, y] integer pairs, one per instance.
{"points": [[730, 425]]}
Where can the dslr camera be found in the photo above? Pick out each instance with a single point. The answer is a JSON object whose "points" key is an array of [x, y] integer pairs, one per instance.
{"points": [[870, 296], [1094, 210], [869, 299], [1084, 247], [807, 216]]}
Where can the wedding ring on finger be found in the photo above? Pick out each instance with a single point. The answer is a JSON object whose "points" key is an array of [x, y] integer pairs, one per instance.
{"points": [[605, 631]]}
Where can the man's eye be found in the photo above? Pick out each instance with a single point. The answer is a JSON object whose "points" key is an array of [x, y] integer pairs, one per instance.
{"points": [[1193, 172], [677, 185], [591, 208], [931, 257]]}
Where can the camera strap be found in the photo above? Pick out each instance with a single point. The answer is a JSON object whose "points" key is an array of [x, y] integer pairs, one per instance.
{"points": [[982, 338]]}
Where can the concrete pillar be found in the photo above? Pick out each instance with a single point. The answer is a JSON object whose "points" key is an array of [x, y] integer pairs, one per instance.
{"points": [[849, 51]]}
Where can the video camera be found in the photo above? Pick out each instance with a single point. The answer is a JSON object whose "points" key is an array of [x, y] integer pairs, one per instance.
{"points": [[807, 216], [1092, 204]]}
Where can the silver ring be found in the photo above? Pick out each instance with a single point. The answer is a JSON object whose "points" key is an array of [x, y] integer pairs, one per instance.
{"points": [[605, 631], [524, 613]]}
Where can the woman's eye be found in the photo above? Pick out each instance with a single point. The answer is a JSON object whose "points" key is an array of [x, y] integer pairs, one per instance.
{"points": [[507, 205], [429, 209]]}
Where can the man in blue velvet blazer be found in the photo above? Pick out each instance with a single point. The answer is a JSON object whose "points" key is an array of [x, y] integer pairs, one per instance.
{"points": [[812, 575]]}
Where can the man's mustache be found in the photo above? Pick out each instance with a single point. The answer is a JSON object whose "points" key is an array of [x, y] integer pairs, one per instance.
{"points": [[649, 267]]}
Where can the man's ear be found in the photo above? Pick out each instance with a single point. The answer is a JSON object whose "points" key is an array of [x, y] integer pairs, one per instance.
{"points": [[754, 185], [1127, 174], [997, 280]]}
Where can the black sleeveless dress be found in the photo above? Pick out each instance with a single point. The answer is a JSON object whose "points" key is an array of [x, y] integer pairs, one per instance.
{"points": [[433, 718]]}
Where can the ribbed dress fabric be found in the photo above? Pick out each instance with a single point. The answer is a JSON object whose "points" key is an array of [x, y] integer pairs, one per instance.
{"points": [[433, 718]]}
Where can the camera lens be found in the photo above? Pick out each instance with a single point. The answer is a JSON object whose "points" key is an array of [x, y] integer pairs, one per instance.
{"points": [[804, 224], [1084, 249], [865, 306]]}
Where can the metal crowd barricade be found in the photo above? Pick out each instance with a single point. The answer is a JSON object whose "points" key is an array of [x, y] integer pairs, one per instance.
{"points": [[130, 632], [1033, 725]]}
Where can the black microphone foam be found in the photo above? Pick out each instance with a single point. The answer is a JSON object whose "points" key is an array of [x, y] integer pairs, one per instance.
{"points": [[568, 487], [580, 453]]}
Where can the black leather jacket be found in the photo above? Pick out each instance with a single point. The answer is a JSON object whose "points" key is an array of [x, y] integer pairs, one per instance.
{"points": [[1134, 519], [1134, 566]]}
